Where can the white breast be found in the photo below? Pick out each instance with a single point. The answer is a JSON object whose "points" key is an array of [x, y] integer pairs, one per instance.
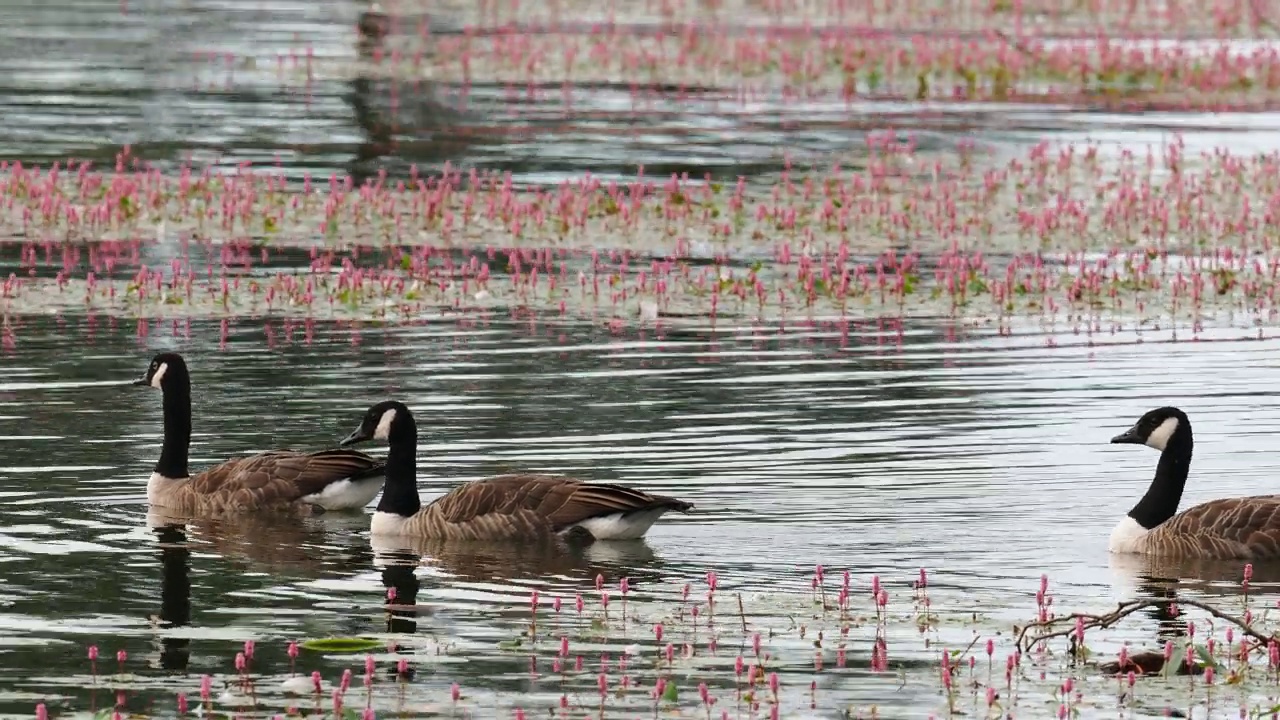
{"points": [[1128, 537], [158, 486], [631, 526], [385, 523], [345, 494]]}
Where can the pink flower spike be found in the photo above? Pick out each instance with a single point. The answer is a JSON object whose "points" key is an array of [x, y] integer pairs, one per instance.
{"points": [[293, 650], [93, 652], [240, 662], [182, 703], [249, 646], [455, 692], [42, 713], [402, 666], [121, 656]]}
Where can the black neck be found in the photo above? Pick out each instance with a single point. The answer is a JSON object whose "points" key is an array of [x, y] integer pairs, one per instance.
{"points": [[177, 432], [400, 493], [1162, 498]]}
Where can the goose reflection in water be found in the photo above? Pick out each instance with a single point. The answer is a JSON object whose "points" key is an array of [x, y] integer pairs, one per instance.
{"points": [[574, 565], [174, 653], [1162, 579], [252, 544], [554, 566]]}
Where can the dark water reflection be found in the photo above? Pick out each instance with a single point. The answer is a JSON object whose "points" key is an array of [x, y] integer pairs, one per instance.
{"points": [[81, 78]]}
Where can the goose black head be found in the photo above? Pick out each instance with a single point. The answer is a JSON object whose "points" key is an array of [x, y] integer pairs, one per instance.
{"points": [[1155, 428], [166, 370], [389, 420]]}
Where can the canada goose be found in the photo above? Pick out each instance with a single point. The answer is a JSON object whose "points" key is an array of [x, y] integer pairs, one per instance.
{"points": [[1224, 529], [505, 507], [335, 479]]}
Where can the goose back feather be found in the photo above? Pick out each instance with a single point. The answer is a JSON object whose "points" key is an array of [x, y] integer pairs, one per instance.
{"points": [[275, 480], [529, 505], [1243, 528]]}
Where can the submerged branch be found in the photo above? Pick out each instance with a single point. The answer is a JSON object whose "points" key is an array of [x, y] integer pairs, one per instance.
{"points": [[1052, 628]]}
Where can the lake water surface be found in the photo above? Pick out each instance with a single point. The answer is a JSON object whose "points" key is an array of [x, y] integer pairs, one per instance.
{"points": [[880, 447], [877, 447]]}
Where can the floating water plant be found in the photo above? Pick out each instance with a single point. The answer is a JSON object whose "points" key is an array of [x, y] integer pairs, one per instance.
{"points": [[711, 646], [341, 645], [1062, 233]]}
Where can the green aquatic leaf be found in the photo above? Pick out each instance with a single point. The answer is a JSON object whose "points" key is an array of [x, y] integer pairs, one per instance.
{"points": [[1205, 658], [1177, 660], [671, 693], [341, 644]]}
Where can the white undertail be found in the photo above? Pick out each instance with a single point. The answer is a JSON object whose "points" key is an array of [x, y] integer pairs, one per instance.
{"points": [[346, 494], [620, 526]]}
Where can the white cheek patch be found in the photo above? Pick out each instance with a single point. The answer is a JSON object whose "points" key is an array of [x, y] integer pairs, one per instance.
{"points": [[155, 379], [384, 425], [1160, 436]]}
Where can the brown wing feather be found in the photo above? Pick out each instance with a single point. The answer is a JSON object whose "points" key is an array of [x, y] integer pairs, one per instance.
{"points": [[1230, 528], [279, 477], [528, 505]]}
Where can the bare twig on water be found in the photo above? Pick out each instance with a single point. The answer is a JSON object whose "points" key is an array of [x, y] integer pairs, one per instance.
{"points": [[1123, 610]]}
